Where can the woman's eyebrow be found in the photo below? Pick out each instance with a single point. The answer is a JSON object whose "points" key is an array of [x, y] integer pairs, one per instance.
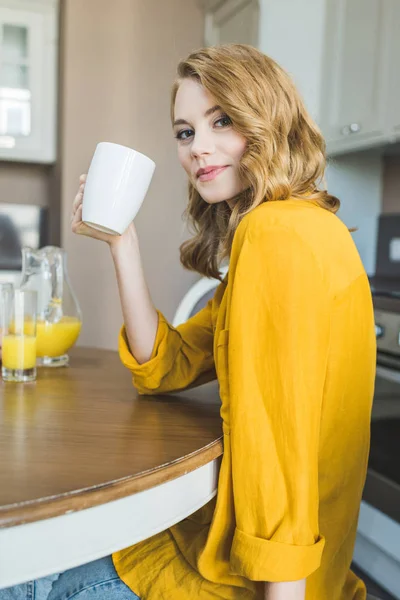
{"points": [[208, 112]]}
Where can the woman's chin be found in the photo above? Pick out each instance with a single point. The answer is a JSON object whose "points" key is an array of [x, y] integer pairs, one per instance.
{"points": [[214, 198], [219, 194]]}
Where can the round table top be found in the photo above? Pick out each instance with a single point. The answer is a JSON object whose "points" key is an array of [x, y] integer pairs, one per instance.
{"points": [[82, 436]]}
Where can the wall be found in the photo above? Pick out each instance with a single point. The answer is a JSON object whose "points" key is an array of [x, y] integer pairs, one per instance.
{"points": [[24, 183], [118, 62], [356, 179]]}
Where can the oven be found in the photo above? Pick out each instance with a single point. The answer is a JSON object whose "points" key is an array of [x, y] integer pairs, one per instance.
{"points": [[382, 488], [20, 225], [377, 550]]}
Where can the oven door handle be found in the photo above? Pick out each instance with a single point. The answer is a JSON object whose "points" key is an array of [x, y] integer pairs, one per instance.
{"points": [[388, 374]]}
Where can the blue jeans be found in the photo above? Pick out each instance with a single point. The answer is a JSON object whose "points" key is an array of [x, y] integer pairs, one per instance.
{"points": [[97, 580]]}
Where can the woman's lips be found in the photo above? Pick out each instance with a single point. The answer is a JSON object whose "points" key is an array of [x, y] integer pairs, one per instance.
{"points": [[212, 174]]}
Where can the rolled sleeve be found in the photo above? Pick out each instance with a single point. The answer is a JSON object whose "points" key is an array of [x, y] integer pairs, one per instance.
{"points": [[266, 560], [148, 376], [181, 357]]}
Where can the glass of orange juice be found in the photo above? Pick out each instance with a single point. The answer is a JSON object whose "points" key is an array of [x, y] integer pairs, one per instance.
{"points": [[19, 336], [6, 290]]}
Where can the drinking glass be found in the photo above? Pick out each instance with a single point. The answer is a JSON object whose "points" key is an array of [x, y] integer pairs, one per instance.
{"points": [[19, 335], [6, 290]]}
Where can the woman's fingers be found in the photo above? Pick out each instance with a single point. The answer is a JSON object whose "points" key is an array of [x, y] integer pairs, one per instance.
{"points": [[81, 228], [77, 224], [79, 196], [77, 202], [76, 219]]}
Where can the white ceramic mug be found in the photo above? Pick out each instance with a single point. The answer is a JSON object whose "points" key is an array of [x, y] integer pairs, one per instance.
{"points": [[116, 185]]}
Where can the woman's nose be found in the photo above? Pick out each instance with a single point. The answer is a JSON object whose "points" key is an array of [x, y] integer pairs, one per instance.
{"points": [[202, 144]]}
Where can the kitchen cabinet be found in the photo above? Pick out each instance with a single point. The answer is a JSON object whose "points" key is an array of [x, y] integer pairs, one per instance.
{"points": [[342, 54], [28, 80], [353, 84], [392, 115], [232, 21], [209, 5]]}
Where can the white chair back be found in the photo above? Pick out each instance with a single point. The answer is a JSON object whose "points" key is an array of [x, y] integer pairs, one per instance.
{"points": [[196, 298]]}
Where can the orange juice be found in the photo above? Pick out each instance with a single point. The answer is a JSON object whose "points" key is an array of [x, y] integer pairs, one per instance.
{"points": [[29, 328], [19, 352], [55, 339]]}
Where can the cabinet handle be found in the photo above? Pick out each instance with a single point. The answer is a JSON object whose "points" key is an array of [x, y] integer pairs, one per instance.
{"points": [[350, 129]]}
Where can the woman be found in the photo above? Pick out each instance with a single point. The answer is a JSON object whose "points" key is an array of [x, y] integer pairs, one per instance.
{"points": [[290, 334]]}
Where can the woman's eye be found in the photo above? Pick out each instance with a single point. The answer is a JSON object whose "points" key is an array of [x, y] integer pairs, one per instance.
{"points": [[224, 121], [184, 135]]}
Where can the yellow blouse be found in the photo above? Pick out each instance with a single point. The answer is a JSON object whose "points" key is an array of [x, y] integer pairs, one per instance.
{"points": [[291, 336]]}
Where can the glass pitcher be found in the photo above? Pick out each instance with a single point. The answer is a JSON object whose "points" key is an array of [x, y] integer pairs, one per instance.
{"points": [[59, 318]]}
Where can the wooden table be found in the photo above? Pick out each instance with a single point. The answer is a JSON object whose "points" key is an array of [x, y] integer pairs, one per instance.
{"points": [[88, 467]]}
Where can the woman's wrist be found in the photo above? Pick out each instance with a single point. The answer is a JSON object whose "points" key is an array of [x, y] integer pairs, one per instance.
{"points": [[124, 243], [291, 590]]}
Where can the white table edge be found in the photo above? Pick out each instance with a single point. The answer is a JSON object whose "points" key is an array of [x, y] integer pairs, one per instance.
{"points": [[49, 546]]}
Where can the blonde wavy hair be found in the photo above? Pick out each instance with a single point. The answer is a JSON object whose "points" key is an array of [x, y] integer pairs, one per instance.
{"points": [[284, 156]]}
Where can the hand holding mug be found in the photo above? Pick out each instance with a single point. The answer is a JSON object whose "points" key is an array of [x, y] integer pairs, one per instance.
{"points": [[81, 228], [115, 187]]}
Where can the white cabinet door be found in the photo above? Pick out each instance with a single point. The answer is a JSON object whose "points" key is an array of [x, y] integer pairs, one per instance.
{"points": [[235, 21], [392, 120], [28, 50], [353, 96], [208, 5]]}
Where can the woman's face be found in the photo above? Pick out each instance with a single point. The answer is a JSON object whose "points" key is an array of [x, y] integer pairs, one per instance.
{"points": [[209, 149]]}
